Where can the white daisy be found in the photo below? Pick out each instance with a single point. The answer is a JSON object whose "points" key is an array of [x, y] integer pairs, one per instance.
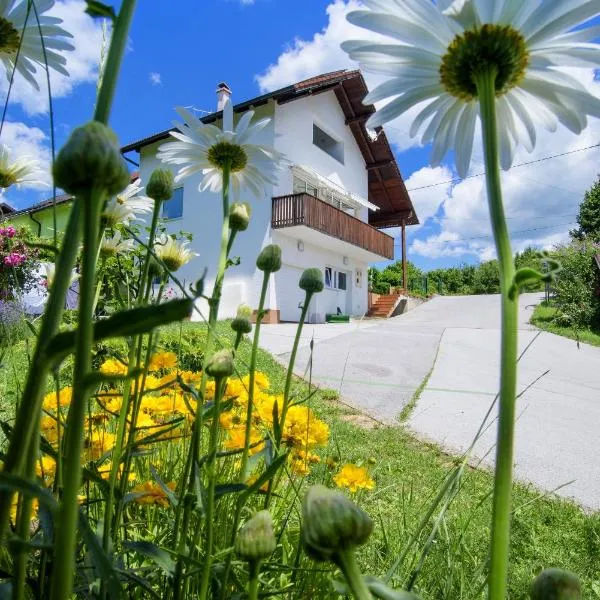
{"points": [[49, 273], [173, 253], [439, 48], [111, 246], [127, 206], [206, 148], [24, 170], [17, 27]]}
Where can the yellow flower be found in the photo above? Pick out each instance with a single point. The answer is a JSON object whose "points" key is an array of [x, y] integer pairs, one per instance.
{"points": [[237, 437], [49, 427], [112, 404], [64, 399], [354, 478], [263, 407], [98, 443], [300, 462], [261, 381], [162, 360], [237, 390], [45, 467], [303, 430], [105, 468], [113, 367], [152, 493]]}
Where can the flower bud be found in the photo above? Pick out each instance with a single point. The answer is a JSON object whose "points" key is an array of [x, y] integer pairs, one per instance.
{"points": [[160, 186], [241, 323], [91, 159], [239, 216], [331, 523], [269, 259], [311, 281], [256, 540], [220, 364], [556, 584]]}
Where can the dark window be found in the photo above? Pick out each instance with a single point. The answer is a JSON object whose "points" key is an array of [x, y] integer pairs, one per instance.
{"points": [[173, 208], [341, 280], [328, 144], [328, 277]]}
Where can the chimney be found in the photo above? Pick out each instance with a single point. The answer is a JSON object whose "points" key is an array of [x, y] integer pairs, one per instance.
{"points": [[223, 94]]}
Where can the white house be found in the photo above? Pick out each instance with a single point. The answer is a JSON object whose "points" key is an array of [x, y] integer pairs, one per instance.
{"points": [[341, 183]]}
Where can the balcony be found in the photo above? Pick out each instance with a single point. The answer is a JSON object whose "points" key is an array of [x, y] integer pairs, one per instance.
{"points": [[303, 209]]}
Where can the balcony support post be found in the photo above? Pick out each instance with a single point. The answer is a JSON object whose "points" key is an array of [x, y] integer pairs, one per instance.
{"points": [[404, 263]]}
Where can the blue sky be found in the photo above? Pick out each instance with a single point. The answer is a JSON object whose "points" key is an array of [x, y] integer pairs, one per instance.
{"points": [[179, 51]]}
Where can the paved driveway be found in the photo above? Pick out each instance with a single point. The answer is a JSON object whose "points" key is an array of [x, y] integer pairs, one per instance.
{"points": [[378, 365]]}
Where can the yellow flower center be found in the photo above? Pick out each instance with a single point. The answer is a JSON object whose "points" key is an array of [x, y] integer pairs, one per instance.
{"points": [[223, 153], [7, 178], [489, 48], [9, 37]]}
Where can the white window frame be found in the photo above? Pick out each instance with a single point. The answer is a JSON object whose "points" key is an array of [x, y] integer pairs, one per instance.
{"points": [[334, 283]]}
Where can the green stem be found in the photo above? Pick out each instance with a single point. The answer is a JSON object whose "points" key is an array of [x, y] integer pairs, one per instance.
{"points": [[244, 460], [66, 524], [259, 318], [145, 285], [24, 521], [346, 561], [500, 534], [195, 445], [211, 474], [254, 572], [291, 365]]}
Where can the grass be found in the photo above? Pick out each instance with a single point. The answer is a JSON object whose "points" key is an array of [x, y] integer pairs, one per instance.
{"points": [[543, 317], [546, 531]]}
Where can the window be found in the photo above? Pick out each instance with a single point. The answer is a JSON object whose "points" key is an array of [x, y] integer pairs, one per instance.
{"points": [[336, 280], [304, 187], [173, 208], [359, 277], [324, 141]]}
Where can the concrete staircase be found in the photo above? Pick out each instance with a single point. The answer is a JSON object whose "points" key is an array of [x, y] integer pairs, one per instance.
{"points": [[384, 306]]}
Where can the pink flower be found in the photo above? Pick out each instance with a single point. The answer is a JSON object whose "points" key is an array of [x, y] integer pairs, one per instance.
{"points": [[14, 259], [9, 231]]}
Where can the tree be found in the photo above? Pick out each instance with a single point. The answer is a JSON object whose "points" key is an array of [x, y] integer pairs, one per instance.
{"points": [[588, 218]]}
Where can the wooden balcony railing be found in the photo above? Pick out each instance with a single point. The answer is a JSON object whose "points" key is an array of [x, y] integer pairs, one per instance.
{"points": [[304, 209]]}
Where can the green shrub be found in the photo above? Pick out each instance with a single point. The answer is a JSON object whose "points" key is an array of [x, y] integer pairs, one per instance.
{"points": [[577, 285]]}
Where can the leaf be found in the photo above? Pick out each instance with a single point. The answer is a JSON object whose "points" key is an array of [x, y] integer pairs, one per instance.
{"points": [[99, 10], [382, 591], [157, 555], [100, 560], [269, 472], [165, 488], [123, 324], [229, 488], [31, 326], [14, 483], [141, 582]]}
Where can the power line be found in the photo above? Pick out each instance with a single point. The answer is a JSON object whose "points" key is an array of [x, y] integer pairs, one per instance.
{"points": [[490, 236], [523, 164]]}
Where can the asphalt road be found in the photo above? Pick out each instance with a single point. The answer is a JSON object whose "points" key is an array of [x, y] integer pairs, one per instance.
{"points": [[378, 365]]}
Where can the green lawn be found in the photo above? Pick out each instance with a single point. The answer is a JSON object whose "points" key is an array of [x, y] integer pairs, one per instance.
{"points": [[543, 317], [408, 474]]}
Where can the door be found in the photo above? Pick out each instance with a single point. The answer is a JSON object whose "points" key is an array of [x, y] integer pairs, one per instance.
{"points": [[288, 295]]}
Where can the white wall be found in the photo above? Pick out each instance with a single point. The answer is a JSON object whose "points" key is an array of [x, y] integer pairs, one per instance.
{"points": [[291, 133], [202, 216], [353, 302], [294, 135]]}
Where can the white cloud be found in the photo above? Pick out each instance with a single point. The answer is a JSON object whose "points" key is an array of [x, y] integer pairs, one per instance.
{"points": [[155, 78], [82, 63]]}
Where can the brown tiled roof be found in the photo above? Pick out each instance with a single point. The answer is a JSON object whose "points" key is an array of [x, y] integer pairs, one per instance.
{"points": [[386, 186]]}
